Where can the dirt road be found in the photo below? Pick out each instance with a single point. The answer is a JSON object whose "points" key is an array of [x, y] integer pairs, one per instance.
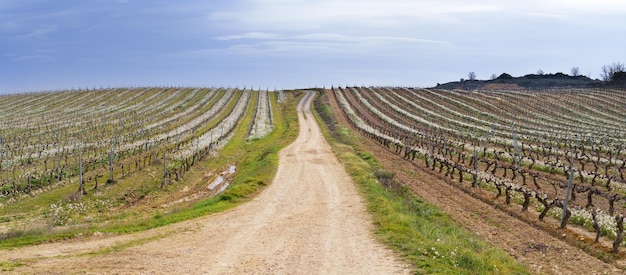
{"points": [[311, 219]]}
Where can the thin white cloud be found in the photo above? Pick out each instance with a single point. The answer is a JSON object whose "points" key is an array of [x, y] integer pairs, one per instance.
{"points": [[322, 15], [350, 27], [37, 32], [249, 35], [309, 15], [319, 43], [325, 37], [35, 25], [33, 55], [287, 48], [366, 39], [580, 6]]}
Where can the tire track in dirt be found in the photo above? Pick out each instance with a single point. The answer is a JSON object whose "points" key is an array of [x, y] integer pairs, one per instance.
{"points": [[311, 219]]}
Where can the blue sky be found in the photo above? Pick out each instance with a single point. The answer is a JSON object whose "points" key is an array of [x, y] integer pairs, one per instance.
{"points": [[48, 45]]}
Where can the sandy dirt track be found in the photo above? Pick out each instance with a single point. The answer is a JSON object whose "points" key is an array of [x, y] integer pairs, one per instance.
{"points": [[310, 220]]}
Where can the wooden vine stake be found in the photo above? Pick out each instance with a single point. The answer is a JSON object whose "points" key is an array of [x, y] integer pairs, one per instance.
{"points": [[619, 234], [565, 216], [164, 168], [517, 153], [58, 161], [475, 182], [1, 148], [110, 166], [81, 186]]}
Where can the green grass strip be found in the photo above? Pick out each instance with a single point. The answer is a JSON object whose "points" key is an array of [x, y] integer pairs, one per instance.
{"points": [[428, 238], [256, 161]]}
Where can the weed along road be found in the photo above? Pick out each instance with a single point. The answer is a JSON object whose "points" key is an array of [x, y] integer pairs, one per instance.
{"points": [[311, 219]]}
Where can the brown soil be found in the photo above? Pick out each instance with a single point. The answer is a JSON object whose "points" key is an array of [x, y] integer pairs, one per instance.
{"points": [[536, 248], [311, 219]]}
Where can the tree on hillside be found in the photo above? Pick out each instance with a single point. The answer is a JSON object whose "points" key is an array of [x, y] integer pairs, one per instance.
{"points": [[493, 76], [471, 76], [575, 71], [540, 72], [609, 71], [619, 79]]}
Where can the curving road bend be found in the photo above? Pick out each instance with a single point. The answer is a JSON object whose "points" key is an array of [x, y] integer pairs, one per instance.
{"points": [[310, 220]]}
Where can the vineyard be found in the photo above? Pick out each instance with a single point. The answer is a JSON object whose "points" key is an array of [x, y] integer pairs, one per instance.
{"points": [[123, 158], [557, 152], [98, 138]]}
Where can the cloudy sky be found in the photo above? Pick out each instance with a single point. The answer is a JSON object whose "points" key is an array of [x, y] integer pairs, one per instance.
{"points": [[299, 43]]}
